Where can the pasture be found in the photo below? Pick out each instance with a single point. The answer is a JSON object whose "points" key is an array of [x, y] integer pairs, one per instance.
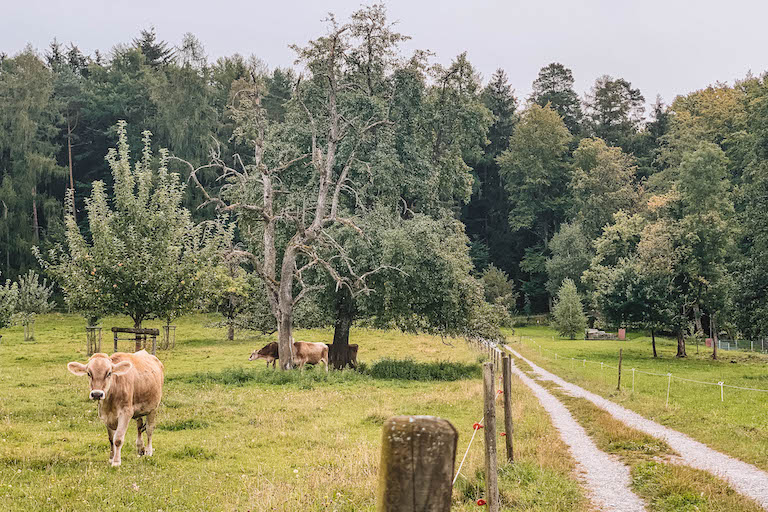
{"points": [[234, 436], [738, 425]]}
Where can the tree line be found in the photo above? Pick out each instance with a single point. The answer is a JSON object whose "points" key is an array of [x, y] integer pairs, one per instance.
{"points": [[658, 219]]}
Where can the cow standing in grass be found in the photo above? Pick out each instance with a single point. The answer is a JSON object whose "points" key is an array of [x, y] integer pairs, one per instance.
{"points": [[303, 352], [126, 386]]}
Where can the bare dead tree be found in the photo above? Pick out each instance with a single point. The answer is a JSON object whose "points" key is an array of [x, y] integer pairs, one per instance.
{"points": [[310, 242]]}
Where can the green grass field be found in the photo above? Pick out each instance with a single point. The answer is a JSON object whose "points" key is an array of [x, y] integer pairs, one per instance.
{"points": [[234, 436], [737, 426]]}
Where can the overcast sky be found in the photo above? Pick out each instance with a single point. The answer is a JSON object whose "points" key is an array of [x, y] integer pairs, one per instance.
{"points": [[663, 47]]}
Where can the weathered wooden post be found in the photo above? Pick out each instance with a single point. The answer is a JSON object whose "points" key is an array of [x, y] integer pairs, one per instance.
{"points": [[618, 386], [418, 454], [491, 464], [509, 429]]}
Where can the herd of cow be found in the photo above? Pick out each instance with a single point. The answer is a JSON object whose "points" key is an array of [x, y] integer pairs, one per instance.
{"points": [[129, 386]]}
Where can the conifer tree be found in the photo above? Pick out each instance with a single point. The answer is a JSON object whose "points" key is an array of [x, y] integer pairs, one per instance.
{"points": [[569, 318]]}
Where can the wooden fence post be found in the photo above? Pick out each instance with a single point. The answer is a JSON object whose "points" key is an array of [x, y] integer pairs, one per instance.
{"points": [[509, 428], [418, 454], [618, 386], [491, 463]]}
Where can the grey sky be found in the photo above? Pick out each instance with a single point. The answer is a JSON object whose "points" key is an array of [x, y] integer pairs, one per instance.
{"points": [[664, 47]]}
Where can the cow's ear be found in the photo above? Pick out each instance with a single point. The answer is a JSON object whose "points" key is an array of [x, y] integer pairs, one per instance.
{"points": [[122, 368], [76, 368]]}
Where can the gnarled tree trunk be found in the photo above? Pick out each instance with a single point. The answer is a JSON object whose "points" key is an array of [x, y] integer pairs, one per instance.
{"points": [[680, 344], [339, 355]]}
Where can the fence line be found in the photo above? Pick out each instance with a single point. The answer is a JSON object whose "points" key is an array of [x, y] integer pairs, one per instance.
{"points": [[491, 346], [668, 375]]}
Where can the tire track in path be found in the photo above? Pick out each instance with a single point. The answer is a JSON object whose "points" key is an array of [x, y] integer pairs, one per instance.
{"points": [[744, 478], [605, 477]]}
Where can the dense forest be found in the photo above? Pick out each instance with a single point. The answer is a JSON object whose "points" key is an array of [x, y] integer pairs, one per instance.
{"points": [[660, 218]]}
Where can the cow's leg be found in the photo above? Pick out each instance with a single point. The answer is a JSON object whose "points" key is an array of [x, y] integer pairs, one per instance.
{"points": [[151, 419], [140, 427], [111, 436], [123, 419]]}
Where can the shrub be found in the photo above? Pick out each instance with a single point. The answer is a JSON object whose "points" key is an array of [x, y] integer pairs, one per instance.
{"points": [[407, 369]]}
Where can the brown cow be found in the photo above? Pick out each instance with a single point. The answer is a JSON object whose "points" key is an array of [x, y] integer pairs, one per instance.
{"points": [[303, 352], [126, 386], [312, 353], [268, 352]]}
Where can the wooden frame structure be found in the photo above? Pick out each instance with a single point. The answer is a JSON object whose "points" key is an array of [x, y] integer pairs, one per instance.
{"points": [[139, 337]]}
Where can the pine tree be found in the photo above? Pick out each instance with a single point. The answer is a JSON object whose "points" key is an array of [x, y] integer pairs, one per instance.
{"points": [[554, 87], [569, 318]]}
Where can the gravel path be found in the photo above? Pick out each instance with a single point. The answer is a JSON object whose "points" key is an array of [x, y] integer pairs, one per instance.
{"points": [[605, 476], [745, 478]]}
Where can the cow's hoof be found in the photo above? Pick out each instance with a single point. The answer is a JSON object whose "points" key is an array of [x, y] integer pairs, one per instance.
{"points": [[115, 464], [141, 451], [148, 452]]}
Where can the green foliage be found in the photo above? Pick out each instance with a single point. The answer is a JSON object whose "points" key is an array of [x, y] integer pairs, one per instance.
{"points": [[614, 111], [408, 369], [554, 87], [568, 316], [8, 297], [144, 257], [602, 184], [498, 288], [31, 298], [571, 255], [29, 171], [534, 171]]}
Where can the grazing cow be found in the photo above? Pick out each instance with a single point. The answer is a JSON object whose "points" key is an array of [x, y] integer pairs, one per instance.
{"points": [[303, 353], [312, 353], [351, 351], [268, 352], [126, 386]]}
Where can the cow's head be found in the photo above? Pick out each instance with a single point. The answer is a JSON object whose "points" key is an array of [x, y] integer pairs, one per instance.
{"points": [[268, 352], [100, 369]]}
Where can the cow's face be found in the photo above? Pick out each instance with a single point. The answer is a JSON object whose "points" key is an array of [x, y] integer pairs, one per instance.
{"points": [[100, 371], [256, 355]]}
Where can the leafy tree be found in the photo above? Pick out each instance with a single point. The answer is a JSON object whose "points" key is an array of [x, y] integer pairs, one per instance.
{"points": [[707, 233], [535, 175], [32, 298], [635, 296], [458, 122], [554, 87], [498, 288], [144, 257], [568, 315], [8, 297], [534, 172], [615, 111], [602, 184], [571, 256]]}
